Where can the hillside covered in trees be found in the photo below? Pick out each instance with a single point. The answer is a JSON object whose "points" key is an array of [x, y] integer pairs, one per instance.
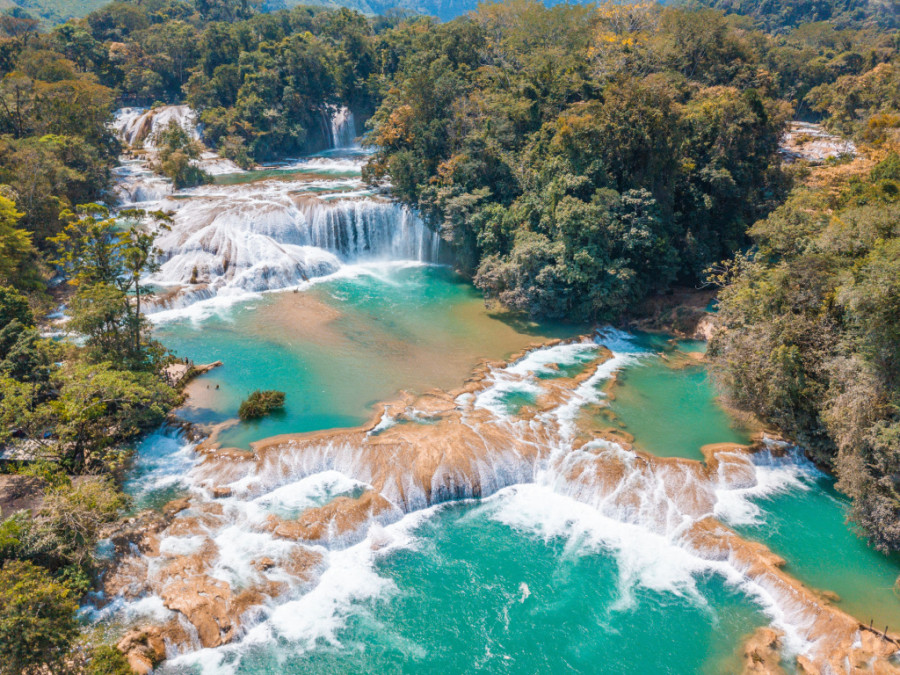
{"points": [[810, 337]]}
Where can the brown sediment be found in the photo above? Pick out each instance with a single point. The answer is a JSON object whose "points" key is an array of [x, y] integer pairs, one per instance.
{"points": [[679, 359], [199, 394], [20, 493], [681, 312], [298, 315], [468, 451], [145, 647]]}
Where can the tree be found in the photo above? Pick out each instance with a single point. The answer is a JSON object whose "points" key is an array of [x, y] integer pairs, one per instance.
{"points": [[106, 265], [100, 406], [63, 534], [260, 404], [17, 253], [176, 154], [14, 307], [37, 619]]}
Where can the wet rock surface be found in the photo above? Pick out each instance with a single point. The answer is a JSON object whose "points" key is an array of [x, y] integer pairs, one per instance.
{"points": [[442, 446]]}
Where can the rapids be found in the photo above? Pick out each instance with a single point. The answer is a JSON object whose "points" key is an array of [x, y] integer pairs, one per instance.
{"points": [[554, 512], [269, 229], [333, 549]]}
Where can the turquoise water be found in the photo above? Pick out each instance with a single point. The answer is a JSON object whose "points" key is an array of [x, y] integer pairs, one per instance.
{"points": [[808, 528], [342, 346], [474, 594], [672, 411], [477, 588]]}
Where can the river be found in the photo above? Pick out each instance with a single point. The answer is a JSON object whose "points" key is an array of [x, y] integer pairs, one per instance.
{"points": [[550, 520]]}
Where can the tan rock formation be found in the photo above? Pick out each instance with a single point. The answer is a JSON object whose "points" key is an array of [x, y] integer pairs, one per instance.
{"points": [[449, 445], [761, 653]]}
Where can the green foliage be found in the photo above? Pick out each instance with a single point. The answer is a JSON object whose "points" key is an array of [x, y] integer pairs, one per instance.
{"points": [[260, 403], [100, 406], [64, 532], [579, 160], [811, 340], [107, 660], [12, 531], [14, 307], [17, 253], [176, 150], [37, 619], [777, 15], [106, 263], [865, 105]]}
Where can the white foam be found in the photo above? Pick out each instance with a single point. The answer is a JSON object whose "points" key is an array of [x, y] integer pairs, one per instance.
{"points": [[645, 559], [148, 608], [310, 491], [262, 236], [773, 476], [317, 616], [163, 460], [239, 547], [181, 545]]}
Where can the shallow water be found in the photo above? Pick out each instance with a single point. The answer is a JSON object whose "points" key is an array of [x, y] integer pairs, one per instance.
{"points": [[671, 409], [805, 523], [343, 345]]}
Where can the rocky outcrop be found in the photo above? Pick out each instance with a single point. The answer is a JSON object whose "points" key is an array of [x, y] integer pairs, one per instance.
{"points": [[179, 374], [145, 647], [340, 517], [761, 654]]}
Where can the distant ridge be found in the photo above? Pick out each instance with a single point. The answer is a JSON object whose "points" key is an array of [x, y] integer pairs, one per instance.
{"points": [[53, 12]]}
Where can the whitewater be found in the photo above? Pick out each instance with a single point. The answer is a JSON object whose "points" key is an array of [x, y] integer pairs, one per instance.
{"points": [[276, 227], [497, 525]]}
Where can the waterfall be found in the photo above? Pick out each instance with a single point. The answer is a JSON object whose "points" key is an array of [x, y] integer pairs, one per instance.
{"points": [[136, 183], [368, 229], [251, 235], [257, 240], [343, 128], [137, 127]]}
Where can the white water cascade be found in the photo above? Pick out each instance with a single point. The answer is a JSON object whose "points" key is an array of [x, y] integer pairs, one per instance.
{"points": [[654, 515], [342, 128], [138, 127], [271, 229], [235, 240]]}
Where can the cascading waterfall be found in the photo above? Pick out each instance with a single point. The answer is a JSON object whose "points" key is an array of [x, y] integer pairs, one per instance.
{"points": [[254, 241], [368, 229], [311, 220], [343, 128], [137, 127], [135, 183], [326, 506]]}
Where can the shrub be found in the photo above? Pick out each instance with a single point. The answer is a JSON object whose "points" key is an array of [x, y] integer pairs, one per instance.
{"points": [[107, 660], [261, 403], [37, 619]]}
